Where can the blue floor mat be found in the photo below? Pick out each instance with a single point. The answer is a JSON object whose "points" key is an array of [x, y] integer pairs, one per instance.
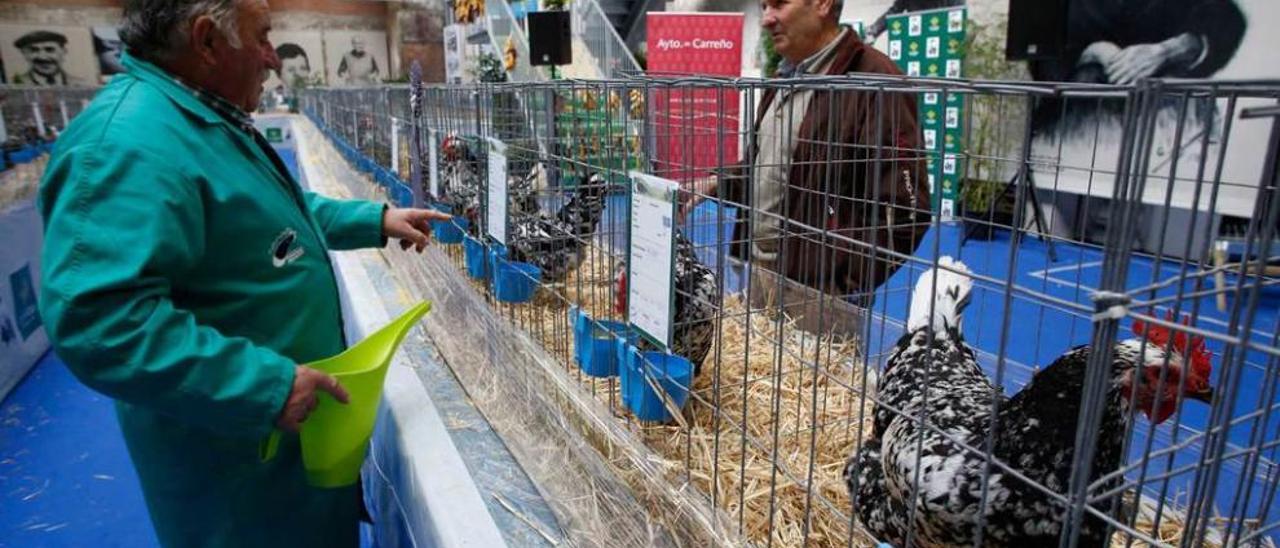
{"points": [[65, 475]]}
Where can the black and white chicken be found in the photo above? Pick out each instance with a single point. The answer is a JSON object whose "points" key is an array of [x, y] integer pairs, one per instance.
{"points": [[459, 177], [697, 299], [909, 477], [556, 244], [464, 186]]}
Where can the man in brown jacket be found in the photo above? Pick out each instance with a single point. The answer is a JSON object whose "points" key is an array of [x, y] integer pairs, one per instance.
{"points": [[834, 180]]}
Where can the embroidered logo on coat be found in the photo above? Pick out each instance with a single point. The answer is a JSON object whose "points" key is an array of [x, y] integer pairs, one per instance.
{"points": [[282, 250]]}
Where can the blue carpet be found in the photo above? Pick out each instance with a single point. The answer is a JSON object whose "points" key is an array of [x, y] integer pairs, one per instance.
{"points": [[65, 475]]}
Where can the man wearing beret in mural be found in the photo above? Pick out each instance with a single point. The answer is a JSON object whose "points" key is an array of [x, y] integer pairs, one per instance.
{"points": [[45, 52]]}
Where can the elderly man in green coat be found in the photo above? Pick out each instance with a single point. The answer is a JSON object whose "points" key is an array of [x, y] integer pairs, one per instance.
{"points": [[186, 275]]}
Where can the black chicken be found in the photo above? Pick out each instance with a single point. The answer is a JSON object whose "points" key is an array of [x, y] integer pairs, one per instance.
{"points": [[697, 299], [909, 477]]}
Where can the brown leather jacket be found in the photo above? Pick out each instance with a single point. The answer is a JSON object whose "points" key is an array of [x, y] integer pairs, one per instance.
{"points": [[858, 172]]}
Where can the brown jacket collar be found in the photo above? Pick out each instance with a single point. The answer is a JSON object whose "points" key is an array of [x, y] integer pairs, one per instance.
{"points": [[847, 57]]}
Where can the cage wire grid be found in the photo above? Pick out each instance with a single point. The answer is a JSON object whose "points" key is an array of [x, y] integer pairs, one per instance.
{"points": [[787, 391]]}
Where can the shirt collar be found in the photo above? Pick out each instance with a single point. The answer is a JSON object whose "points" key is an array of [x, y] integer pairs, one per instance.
{"points": [[813, 63], [182, 91], [59, 79]]}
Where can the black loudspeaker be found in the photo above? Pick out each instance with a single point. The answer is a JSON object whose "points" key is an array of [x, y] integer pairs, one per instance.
{"points": [[549, 38], [1037, 29]]}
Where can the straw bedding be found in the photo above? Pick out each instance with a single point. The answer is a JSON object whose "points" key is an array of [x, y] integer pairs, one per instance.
{"points": [[21, 182], [820, 412]]}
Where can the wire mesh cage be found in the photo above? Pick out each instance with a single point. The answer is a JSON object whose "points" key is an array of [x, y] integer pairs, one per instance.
{"points": [[30, 120], [1076, 346], [37, 114]]}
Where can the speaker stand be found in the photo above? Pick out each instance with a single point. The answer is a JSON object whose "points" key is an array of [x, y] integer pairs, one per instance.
{"points": [[1037, 214]]}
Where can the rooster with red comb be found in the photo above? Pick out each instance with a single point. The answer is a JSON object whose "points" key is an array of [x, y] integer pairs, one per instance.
{"points": [[913, 472]]}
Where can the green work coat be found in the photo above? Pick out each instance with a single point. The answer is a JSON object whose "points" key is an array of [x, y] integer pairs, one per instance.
{"points": [[185, 273]]}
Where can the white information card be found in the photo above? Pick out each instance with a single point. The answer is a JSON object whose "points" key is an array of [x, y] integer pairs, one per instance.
{"points": [[497, 207], [650, 292]]}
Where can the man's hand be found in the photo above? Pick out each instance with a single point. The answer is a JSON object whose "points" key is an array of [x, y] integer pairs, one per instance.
{"points": [[1100, 53], [411, 226], [303, 397], [1145, 60]]}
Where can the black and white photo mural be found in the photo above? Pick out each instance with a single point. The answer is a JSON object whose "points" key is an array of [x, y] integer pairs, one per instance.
{"points": [[42, 55], [356, 58], [1120, 42], [301, 56], [1123, 41]]}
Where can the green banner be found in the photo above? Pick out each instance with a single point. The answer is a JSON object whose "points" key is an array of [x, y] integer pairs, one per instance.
{"points": [[931, 44]]}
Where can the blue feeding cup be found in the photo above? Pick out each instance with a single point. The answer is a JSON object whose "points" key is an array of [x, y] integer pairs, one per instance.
{"points": [[451, 231], [625, 352], [671, 372], [477, 258], [579, 322], [497, 253], [515, 282], [596, 343]]}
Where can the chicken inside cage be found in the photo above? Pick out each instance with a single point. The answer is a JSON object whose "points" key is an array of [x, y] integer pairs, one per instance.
{"points": [[1022, 387]]}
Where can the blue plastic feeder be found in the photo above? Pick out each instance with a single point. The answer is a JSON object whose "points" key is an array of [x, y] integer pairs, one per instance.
{"points": [[23, 155], [596, 345], [477, 258], [497, 252], [580, 324], [673, 373], [450, 232], [625, 353], [515, 282]]}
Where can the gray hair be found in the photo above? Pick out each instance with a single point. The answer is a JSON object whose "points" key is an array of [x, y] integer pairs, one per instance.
{"points": [[159, 29]]}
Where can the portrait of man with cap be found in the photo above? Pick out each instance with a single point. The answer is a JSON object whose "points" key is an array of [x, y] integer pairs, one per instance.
{"points": [[45, 52]]}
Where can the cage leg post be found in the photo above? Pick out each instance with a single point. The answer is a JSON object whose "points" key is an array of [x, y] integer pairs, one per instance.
{"points": [[1037, 212], [1038, 215]]}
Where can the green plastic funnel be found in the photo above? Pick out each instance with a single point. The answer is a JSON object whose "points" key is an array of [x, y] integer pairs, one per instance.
{"points": [[334, 436]]}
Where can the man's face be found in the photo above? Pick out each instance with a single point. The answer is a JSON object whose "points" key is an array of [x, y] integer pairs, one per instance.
{"points": [[357, 45], [242, 71], [45, 58], [294, 69], [795, 25]]}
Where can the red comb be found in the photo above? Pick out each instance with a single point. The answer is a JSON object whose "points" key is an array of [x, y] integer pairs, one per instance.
{"points": [[1191, 347], [620, 298]]}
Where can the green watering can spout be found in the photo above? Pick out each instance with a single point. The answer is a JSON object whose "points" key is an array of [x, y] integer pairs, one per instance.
{"points": [[334, 436]]}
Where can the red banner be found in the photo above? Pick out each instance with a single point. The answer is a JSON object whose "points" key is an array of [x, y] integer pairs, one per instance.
{"points": [[694, 126]]}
